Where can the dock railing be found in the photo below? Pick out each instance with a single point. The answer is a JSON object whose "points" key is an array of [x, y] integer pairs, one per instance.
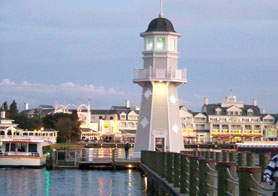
{"points": [[211, 173]]}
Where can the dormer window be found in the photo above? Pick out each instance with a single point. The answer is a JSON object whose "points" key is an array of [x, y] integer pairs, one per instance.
{"points": [[249, 112], [160, 43], [218, 111], [149, 44]]}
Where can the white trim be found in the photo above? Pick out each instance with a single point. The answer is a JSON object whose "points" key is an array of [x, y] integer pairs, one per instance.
{"points": [[151, 117], [168, 116]]}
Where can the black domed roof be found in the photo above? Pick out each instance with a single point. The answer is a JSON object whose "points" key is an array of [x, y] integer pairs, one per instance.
{"points": [[161, 24]]}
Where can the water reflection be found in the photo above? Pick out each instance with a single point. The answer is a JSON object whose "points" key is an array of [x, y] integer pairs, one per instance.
{"points": [[47, 175], [33, 182]]}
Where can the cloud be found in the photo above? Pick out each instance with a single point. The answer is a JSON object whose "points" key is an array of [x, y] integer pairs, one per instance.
{"points": [[7, 82], [46, 93], [68, 84]]}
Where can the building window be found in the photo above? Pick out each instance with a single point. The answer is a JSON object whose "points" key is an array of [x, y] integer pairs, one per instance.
{"points": [[149, 44], [32, 147], [160, 43]]}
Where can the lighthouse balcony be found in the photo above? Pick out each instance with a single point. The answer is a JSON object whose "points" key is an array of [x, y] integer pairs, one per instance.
{"points": [[161, 75]]}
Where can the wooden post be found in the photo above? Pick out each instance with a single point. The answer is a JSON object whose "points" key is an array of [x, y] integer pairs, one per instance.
{"points": [[195, 153], [143, 157], [241, 158], [177, 170], [184, 174], [223, 184], [218, 157], [250, 159], [225, 156], [207, 155], [263, 161], [276, 186], [246, 184], [163, 164], [205, 178], [232, 157], [170, 161], [194, 175], [212, 155], [159, 163]]}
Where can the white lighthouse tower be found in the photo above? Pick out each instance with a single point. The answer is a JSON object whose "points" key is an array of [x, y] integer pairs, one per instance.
{"points": [[159, 125]]}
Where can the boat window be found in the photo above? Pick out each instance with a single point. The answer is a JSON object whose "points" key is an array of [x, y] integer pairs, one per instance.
{"points": [[32, 147], [2, 133], [21, 147], [7, 147], [12, 147]]}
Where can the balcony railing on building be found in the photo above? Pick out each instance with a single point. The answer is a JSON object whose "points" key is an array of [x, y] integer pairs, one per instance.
{"points": [[173, 75]]}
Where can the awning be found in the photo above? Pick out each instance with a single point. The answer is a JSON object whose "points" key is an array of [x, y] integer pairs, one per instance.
{"points": [[225, 138]]}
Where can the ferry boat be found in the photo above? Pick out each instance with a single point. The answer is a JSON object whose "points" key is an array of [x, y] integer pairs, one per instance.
{"points": [[258, 147], [24, 152]]}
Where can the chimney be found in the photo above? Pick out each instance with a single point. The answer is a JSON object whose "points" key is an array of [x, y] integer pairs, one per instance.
{"points": [[206, 101], [3, 114], [26, 106], [255, 102], [127, 103], [263, 111]]}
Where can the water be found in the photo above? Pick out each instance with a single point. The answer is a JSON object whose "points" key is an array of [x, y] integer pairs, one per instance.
{"points": [[41, 182]]}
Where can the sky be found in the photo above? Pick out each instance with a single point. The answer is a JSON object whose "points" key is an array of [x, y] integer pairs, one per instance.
{"points": [[72, 52]]}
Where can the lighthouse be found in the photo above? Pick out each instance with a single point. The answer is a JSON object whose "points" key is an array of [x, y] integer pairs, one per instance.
{"points": [[159, 127]]}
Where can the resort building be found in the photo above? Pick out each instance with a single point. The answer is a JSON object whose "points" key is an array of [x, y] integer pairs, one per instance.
{"points": [[194, 126], [117, 124]]}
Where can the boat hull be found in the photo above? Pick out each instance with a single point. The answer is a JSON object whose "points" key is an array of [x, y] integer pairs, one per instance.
{"points": [[22, 161]]}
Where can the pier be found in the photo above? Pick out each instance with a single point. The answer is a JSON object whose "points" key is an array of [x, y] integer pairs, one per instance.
{"points": [[201, 173], [93, 158]]}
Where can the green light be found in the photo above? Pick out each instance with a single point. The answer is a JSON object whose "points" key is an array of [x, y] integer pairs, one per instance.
{"points": [[160, 43], [48, 154]]}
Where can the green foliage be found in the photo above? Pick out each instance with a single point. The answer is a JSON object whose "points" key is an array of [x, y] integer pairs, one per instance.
{"points": [[67, 125], [25, 122], [13, 112]]}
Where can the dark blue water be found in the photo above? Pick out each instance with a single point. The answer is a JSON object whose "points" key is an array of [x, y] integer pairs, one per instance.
{"points": [[41, 182]]}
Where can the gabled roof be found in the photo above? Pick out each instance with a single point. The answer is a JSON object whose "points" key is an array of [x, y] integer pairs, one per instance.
{"points": [[211, 109], [196, 113]]}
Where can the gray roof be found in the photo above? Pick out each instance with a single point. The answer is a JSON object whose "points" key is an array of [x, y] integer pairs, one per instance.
{"points": [[161, 24], [211, 109]]}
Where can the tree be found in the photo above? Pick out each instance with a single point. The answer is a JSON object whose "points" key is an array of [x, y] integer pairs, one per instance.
{"points": [[67, 125], [5, 108], [25, 122], [76, 131], [13, 112], [64, 126]]}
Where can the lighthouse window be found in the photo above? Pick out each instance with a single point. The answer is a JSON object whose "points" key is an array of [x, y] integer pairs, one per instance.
{"points": [[149, 43], [172, 44], [160, 43]]}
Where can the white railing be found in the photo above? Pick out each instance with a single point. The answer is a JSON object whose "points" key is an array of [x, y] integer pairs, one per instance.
{"points": [[30, 154], [48, 138], [152, 74]]}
